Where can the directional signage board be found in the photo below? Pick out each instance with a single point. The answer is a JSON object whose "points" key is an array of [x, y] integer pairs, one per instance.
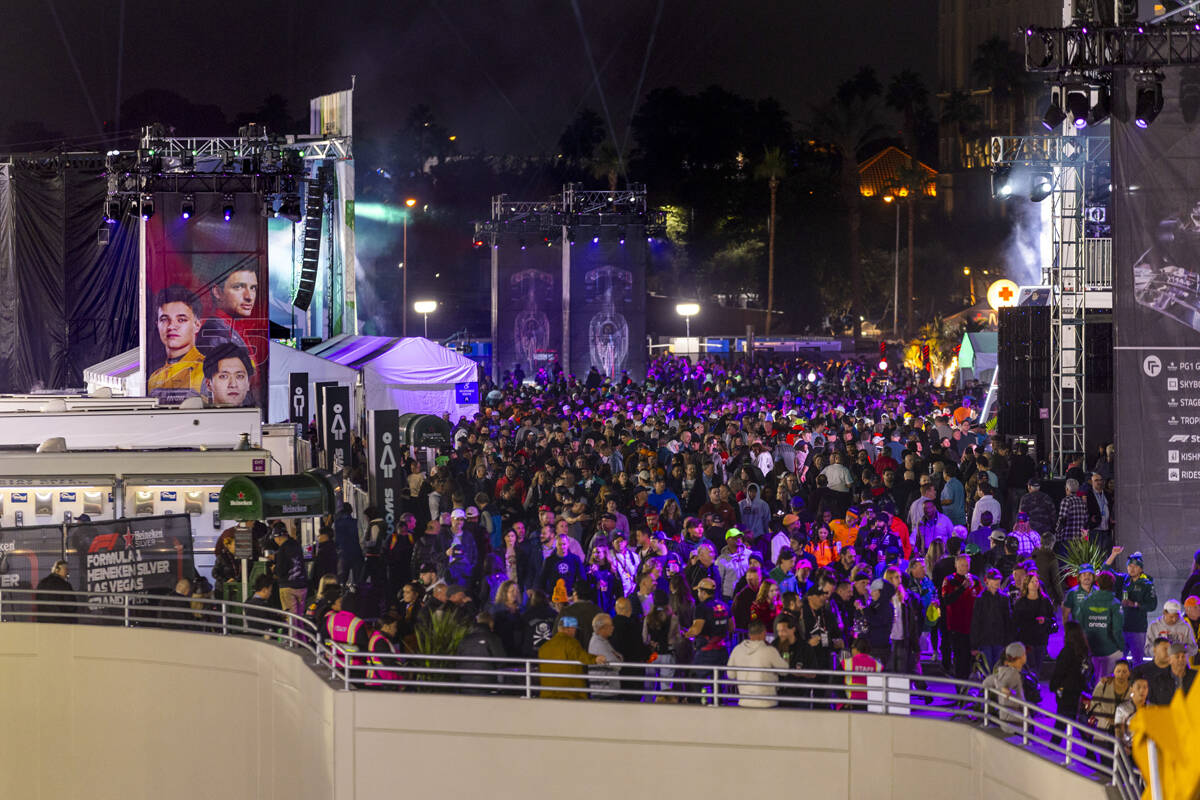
{"points": [[298, 398], [335, 410], [387, 465]]}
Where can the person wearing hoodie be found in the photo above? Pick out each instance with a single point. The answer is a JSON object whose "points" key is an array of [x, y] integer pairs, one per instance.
{"points": [[1095, 607], [755, 512], [1136, 592], [1007, 686], [1173, 626], [733, 562], [752, 654]]}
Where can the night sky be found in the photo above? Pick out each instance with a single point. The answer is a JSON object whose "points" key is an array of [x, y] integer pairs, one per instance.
{"points": [[504, 75]]}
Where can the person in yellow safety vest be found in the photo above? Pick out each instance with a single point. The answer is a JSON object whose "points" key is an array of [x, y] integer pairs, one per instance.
{"points": [[382, 641]]}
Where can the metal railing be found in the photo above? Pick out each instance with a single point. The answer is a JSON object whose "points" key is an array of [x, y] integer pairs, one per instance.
{"points": [[1064, 740], [720, 686], [194, 615]]}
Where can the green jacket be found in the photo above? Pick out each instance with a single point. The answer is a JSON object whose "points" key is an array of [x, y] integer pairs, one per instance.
{"points": [[1140, 591], [1100, 616]]}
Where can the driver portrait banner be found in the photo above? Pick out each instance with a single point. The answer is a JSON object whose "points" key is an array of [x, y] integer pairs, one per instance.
{"points": [[146, 554], [205, 327], [28, 554], [1156, 314]]}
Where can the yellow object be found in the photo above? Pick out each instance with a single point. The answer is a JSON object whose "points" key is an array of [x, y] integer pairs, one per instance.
{"points": [[1002, 294], [1175, 728]]}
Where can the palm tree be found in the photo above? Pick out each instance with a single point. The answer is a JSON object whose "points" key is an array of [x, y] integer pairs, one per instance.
{"points": [[771, 169], [1002, 70], [908, 95], [910, 184], [848, 123], [961, 113], [606, 163]]}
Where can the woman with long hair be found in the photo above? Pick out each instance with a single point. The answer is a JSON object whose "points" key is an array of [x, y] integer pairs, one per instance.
{"points": [[506, 617], [1033, 615], [671, 519], [1072, 674], [766, 603], [823, 548]]}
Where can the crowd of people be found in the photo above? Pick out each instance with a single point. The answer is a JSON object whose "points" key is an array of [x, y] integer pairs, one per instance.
{"points": [[778, 512]]}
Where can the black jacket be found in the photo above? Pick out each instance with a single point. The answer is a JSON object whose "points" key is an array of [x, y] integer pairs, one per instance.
{"points": [[991, 621], [48, 592], [483, 645], [1162, 686], [1068, 674], [289, 565], [324, 562], [880, 614], [1026, 628]]}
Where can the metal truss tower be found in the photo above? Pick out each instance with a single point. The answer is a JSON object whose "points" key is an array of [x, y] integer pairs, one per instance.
{"points": [[1068, 160]]}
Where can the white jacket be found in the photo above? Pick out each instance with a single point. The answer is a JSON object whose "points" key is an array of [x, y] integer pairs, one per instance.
{"points": [[755, 653]]}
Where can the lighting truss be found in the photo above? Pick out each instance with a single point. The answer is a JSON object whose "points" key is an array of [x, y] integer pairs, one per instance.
{"points": [[1085, 47]]}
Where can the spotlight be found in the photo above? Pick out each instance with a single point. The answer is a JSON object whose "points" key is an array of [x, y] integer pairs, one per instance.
{"points": [[112, 210], [1100, 111], [1149, 99], [147, 206], [1078, 105], [1002, 187], [187, 207], [1040, 188], [289, 207], [595, 240], [571, 237], [1054, 116], [227, 207], [522, 242]]}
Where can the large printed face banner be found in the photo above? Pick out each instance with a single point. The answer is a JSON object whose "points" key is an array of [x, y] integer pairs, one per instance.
{"points": [[1156, 290], [608, 302], [528, 319], [205, 328]]}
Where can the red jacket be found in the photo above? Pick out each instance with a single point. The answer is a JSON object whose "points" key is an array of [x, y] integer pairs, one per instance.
{"points": [[958, 601]]}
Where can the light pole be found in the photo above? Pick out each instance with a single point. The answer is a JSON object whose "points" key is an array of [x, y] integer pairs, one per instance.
{"points": [[687, 311], [425, 307], [410, 202], [970, 283], [896, 273]]}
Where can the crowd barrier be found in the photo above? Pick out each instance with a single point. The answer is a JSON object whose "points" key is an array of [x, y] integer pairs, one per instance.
{"points": [[1052, 736]]}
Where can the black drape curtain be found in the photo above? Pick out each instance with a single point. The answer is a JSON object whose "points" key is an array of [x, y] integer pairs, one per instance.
{"points": [[66, 301]]}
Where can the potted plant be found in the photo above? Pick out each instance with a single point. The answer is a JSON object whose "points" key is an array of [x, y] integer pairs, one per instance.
{"points": [[439, 635], [1077, 552]]}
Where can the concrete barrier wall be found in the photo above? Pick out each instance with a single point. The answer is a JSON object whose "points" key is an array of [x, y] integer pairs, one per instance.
{"points": [[140, 713]]}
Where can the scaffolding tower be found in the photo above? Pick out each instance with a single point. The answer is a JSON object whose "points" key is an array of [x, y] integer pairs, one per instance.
{"points": [[1068, 160]]}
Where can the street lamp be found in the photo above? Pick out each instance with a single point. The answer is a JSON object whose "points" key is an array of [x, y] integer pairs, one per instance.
{"points": [[687, 311], [896, 270], [970, 283], [410, 202], [425, 307]]}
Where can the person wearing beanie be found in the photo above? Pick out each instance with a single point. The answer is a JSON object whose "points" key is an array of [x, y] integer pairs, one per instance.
{"points": [[1138, 598]]}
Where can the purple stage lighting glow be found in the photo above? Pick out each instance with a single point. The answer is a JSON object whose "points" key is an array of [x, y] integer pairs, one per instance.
{"points": [[595, 240], [1080, 123], [1029, 31], [1141, 123], [187, 215]]}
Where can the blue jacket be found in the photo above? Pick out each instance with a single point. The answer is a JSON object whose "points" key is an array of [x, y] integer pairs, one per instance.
{"points": [[345, 536]]}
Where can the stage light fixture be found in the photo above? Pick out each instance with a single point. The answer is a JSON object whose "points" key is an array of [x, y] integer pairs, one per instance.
{"points": [[112, 210], [1002, 186], [522, 243], [595, 240], [187, 207], [1054, 116], [1040, 187], [290, 208], [147, 206], [1079, 106], [1100, 110], [227, 207], [1149, 100]]}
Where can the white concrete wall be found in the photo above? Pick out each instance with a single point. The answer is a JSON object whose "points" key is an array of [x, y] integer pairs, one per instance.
{"points": [[99, 712], [143, 713]]}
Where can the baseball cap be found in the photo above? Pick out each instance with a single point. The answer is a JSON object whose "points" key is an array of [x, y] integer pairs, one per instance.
{"points": [[1178, 648], [1022, 516], [427, 566], [994, 574], [1172, 607], [706, 583], [877, 585], [472, 511], [805, 562], [568, 622], [1191, 601], [1136, 557], [454, 589], [997, 536], [789, 520], [1089, 568], [731, 533], [458, 513]]}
